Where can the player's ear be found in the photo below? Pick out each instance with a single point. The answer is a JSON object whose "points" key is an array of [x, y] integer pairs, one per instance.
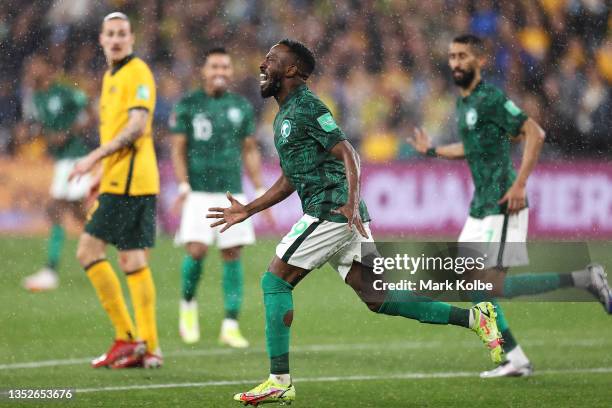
{"points": [[291, 71], [482, 61]]}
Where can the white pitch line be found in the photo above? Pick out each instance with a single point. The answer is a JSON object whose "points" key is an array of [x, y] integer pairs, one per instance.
{"points": [[398, 376], [226, 351], [408, 345]]}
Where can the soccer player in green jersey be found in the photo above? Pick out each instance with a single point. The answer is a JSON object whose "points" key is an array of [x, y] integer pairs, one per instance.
{"points": [[488, 122], [213, 136], [323, 168], [60, 113]]}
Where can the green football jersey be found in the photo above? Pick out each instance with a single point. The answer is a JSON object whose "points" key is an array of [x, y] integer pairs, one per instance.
{"points": [[215, 128], [304, 134], [487, 120], [57, 109]]}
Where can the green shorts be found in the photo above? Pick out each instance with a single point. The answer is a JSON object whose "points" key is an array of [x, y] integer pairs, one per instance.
{"points": [[126, 222]]}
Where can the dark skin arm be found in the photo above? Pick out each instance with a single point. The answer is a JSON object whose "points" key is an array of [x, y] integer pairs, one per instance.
{"points": [[516, 197], [421, 143], [282, 188], [345, 152], [238, 212]]}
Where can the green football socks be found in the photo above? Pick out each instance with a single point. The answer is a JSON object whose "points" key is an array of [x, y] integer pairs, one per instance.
{"points": [[232, 288], [55, 245], [278, 301], [407, 304], [190, 276], [534, 283]]}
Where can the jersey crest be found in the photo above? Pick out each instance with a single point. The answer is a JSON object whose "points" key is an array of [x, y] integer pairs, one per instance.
{"points": [[471, 117]]}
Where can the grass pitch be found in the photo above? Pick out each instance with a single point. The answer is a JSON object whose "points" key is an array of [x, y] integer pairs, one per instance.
{"points": [[342, 354]]}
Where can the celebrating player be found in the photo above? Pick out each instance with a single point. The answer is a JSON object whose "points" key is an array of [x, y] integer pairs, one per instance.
{"points": [[321, 165], [487, 121], [213, 134], [60, 111], [124, 215]]}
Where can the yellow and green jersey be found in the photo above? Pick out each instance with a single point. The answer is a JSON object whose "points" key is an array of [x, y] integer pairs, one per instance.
{"points": [[215, 127], [133, 169], [57, 109], [487, 120], [304, 134]]}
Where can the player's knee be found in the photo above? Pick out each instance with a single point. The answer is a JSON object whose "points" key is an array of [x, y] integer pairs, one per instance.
{"points": [[82, 256], [132, 259], [54, 211], [230, 254], [373, 306], [196, 251], [86, 254], [271, 283]]}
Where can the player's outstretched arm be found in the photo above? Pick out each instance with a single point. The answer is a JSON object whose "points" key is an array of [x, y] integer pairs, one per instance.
{"points": [[179, 163], [534, 136], [238, 212], [251, 157], [252, 163], [345, 152], [135, 127], [422, 144]]}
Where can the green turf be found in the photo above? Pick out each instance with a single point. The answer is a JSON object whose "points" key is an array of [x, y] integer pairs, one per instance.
{"points": [[333, 334]]}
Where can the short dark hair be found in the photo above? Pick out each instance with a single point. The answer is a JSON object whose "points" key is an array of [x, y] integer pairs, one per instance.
{"points": [[473, 41], [304, 57], [214, 51]]}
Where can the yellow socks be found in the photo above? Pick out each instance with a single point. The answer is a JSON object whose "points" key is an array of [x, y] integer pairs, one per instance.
{"points": [[142, 291], [107, 286]]}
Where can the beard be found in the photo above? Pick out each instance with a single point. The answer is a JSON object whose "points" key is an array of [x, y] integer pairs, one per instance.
{"points": [[271, 88], [465, 80]]}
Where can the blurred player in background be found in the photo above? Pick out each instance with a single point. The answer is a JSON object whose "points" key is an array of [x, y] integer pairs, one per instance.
{"points": [[321, 165], [124, 214], [488, 122], [61, 116], [212, 137]]}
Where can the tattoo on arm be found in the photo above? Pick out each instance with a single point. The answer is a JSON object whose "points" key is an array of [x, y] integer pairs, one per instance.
{"points": [[127, 136]]}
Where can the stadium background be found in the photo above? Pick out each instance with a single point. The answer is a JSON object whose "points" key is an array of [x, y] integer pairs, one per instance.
{"points": [[381, 72], [382, 69]]}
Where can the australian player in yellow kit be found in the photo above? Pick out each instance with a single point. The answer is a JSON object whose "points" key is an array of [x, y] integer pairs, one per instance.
{"points": [[124, 214]]}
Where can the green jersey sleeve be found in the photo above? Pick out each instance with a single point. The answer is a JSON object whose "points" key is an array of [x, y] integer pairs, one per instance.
{"points": [[507, 115], [318, 123], [79, 98], [178, 121]]}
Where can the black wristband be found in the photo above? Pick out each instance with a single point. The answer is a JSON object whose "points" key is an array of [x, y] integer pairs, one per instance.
{"points": [[431, 152]]}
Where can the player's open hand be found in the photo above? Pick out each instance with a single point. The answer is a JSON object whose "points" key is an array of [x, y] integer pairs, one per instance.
{"points": [[420, 141], [234, 214], [351, 212], [92, 193], [515, 198], [83, 166]]}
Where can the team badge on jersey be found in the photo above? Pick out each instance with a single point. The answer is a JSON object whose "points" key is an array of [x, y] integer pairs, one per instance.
{"points": [[327, 122], [142, 92], [234, 115], [54, 104], [285, 129], [512, 108], [471, 117]]}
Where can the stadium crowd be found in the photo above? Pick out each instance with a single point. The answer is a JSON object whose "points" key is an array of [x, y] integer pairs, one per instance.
{"points": [[382, 64]]}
